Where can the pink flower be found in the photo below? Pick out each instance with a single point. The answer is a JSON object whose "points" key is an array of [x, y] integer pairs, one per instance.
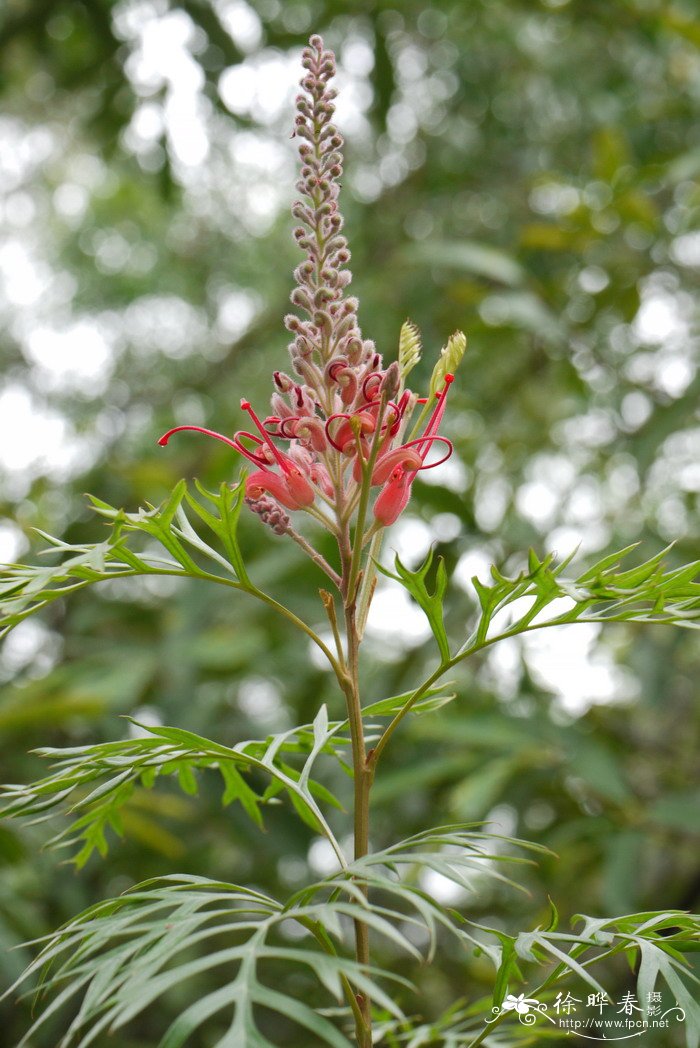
{"points": [[290, 487], [296, 479], [398, 469]]}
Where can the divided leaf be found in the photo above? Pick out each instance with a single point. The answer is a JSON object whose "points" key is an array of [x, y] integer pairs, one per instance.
{"points": [[654, 944], [462, 854], [121, 956], [431, 603], [646, 593], [26, 589], [95, 782]]}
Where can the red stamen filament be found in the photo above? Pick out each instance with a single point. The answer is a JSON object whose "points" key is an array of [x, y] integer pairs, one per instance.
{"points": [[284, 424], [376, 378], [198, 429], [245, 404], [253, 456], [430, 440], [331, 418]]}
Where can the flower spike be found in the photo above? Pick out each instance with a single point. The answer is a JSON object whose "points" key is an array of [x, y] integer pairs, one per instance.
{"points": [[337, 424]]}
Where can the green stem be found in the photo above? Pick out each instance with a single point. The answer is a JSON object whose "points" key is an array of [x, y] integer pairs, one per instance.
{"points": [[367, 468], [249, 588], [405, 710], [326, 943], [471, 647], [363, 775], [369, 581], [300, 624]]}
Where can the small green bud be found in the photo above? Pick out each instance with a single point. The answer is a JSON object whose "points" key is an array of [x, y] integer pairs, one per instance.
{"points": [[448, 361], [409, 348]]}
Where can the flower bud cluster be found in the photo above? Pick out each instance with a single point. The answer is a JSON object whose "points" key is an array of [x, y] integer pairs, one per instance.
{"points": [[270, 513], [330, 329]]}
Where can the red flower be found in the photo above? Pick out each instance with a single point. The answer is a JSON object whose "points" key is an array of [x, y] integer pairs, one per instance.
{"points": [[398, 469], [290, 486]]}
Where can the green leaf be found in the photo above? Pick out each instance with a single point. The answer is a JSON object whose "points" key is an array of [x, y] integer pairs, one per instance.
{"points": [[646, 593], [95, 782], [228, 503], [654, 943], [531, 945], [553, 918], [26, 589], [119, 957], [508, 966], [431, 603], [434, 699]]}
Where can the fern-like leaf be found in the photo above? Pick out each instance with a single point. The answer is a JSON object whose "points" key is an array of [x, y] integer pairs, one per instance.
{"points": [[95, 782], [26, 589], [646, 593], [121, 956], [431, 603]]}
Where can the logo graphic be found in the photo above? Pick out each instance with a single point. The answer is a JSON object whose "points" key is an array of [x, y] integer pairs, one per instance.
{"points": [[606, 1020]]}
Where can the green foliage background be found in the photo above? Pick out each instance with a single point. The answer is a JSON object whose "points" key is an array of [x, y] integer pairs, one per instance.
{"points": [[526, 171]]}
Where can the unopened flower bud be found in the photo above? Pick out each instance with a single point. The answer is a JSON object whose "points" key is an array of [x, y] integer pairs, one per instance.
{"points": [[391, 380], [270, 513], [322, 296], [353, 349], [283, 382], [280, 407], [300, 297], [311, 430]]}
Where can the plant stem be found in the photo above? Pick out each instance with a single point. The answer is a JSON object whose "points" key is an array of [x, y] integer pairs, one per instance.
{"points": [[363, 769], [363, 776], [315, 556], [406, 708]]}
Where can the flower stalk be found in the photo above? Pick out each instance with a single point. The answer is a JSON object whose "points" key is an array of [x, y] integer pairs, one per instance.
{"points": [[334, 446]]}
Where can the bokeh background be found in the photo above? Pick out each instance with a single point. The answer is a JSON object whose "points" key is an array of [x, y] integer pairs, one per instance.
{"points": [[524, 170]]}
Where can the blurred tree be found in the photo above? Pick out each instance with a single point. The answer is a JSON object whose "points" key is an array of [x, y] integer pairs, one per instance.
{"points": [[526, 171]]}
